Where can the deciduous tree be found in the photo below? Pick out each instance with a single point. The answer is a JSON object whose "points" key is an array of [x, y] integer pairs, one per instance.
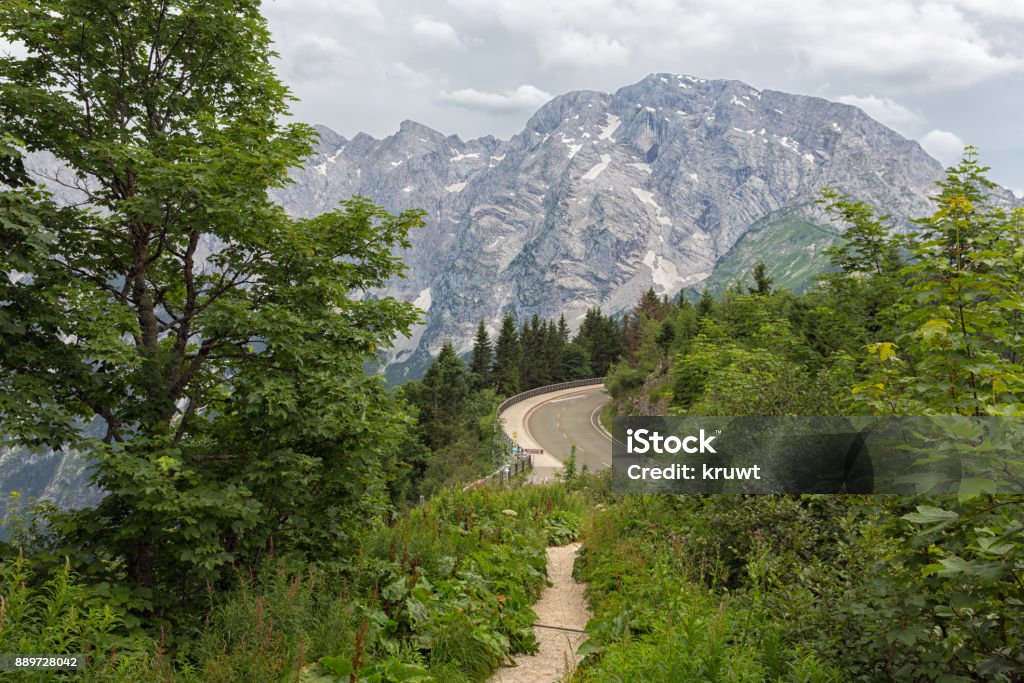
{"points": [[212, 345]]}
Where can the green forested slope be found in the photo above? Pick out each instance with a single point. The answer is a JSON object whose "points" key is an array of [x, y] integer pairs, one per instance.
{"points": [[793, 249]]}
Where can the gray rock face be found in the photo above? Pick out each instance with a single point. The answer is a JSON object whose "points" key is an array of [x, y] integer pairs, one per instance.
{"points": [[604, 195]]}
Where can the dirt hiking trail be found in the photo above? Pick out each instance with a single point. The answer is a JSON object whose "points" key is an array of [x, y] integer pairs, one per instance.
{"points": [[561, 604]]}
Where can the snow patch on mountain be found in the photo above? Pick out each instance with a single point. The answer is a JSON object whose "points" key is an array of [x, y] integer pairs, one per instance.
{"points": [[613, 125], [645, 196], [663, 273], [598, 168], [423, 301]]}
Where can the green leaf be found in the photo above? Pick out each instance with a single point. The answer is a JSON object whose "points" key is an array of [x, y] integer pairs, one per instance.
{"points": [[339, 666], [927, 514]]}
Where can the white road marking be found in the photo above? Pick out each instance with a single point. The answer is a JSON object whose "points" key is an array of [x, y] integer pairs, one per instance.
{"points": [[567, 398], [595, 422]]}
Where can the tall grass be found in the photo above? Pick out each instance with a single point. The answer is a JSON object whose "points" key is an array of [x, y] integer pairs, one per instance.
{"points": [[664, 584], [444, 592], [62, 616]]}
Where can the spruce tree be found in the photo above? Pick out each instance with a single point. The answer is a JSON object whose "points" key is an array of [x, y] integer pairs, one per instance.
{"points": [[563, 329], [534, 370], [666, 335], [553, 348], [602, 339], [706, 304], [508, 354], [762, 281], [482, 359], [445, 388], [575, 363]]}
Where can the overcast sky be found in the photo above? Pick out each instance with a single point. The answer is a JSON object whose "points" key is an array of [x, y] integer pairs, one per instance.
{"points": [[944, 72]]}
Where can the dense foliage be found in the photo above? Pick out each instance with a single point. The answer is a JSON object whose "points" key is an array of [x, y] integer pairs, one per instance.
{"points": [[175, 327], [926, 323], [810, 588], [444, 593], [678, 588]]}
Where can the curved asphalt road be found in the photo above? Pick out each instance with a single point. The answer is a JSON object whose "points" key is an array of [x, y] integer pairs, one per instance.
{"points": [[557, 424]]}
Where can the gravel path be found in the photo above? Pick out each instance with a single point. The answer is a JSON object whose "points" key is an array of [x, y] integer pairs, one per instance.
{"points": [[561, 604]]}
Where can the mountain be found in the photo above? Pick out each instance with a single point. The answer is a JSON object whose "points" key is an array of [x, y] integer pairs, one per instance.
{"points": [[604, 195]]}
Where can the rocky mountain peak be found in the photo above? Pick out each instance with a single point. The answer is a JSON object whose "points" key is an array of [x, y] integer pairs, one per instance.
{"points": [[604, 195]]}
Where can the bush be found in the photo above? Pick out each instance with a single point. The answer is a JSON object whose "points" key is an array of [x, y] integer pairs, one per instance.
{"points": [[623, 379], [447, 591], [657, 570], [63, 616]]}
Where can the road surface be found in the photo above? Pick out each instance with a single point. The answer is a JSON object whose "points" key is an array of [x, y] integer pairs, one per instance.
{"points": [[566, 419]]}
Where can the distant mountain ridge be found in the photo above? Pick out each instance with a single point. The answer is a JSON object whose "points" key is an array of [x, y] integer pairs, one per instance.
{"points": [[603, 195]]}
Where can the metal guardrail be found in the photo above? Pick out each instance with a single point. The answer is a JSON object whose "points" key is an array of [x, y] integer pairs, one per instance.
{"points": [[522, 462], [519, 464], [509, 402]]}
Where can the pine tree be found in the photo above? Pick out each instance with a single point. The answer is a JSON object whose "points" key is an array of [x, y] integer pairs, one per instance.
{"points": [[648, 307], [534, 370], [563, 329], [602, 339], [445, 387], [666, 335], [706, 304], [575, 363], [554, 347], [762, 281], [482, 359], [508, 354]]}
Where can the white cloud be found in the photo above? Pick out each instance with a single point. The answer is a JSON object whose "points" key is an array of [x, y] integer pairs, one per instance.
{"points": [[575, 49], [316, 57], [919, 45], [931, 44], [945, 146], [433, 32], [525, 97], [410, 76], [916, 65], [358, 9], [1002, 9], [889, 112]]}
